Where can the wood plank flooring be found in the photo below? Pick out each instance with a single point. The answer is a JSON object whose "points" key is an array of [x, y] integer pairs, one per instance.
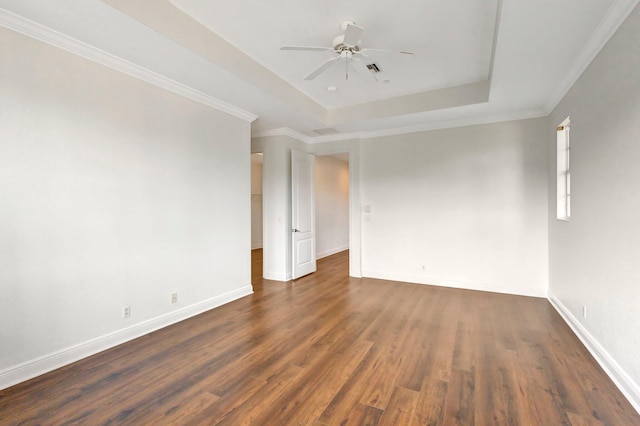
{"points": [[332, 350]]}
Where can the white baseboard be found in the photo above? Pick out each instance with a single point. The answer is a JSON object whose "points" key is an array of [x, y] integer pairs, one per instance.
{"points": [[620, 378], [327, 253], [36, 367], [465, 285], [256, 246], [275, 276]]}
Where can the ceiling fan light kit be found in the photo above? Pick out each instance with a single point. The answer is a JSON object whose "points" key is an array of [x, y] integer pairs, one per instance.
{"points": [[347, 48]]}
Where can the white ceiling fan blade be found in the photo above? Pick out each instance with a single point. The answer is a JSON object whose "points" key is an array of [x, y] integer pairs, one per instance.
{"points": [[385, 51], [366, 49], [322, 68], [361, 68], [352, 35], [307, 48]]}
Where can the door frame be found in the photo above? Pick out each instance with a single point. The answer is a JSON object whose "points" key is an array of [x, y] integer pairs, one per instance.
{"points": [[277, 203]]}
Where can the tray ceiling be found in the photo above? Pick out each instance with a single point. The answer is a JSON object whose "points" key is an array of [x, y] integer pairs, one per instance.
{"points": [[474, 62]]}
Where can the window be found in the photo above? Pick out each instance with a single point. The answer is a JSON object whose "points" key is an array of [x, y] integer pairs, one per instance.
{"points": [[563, 176]]}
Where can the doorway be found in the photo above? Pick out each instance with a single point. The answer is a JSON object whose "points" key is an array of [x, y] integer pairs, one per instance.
{"points": [[256, 217], [332, 204], [277, 208]]}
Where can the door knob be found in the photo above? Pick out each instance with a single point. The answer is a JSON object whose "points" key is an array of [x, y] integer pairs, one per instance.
{"points": [[296, 230]]}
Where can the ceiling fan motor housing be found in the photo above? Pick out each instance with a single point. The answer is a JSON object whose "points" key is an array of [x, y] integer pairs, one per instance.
{"points": [[338, 44]]}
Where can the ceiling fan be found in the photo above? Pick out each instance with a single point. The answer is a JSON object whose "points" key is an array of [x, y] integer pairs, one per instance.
{"points": [[347, 48]]}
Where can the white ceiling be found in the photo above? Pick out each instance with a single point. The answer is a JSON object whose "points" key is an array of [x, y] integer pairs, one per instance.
{"points": [[475, 61], [445, 55]]}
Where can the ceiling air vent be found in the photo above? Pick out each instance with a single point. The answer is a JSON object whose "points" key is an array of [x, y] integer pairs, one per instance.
{"points": [[327, 131], [373, 68]]}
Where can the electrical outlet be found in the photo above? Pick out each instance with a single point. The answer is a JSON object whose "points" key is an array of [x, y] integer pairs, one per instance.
{"points": [[584, 311], [126, 311], [174, 298]]}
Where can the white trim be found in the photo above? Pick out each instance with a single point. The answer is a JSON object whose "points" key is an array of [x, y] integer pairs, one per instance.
{"points": [[328, 253], [608, 25], [275, 276], [612, 20], [620, 378], [446, 282], [284, 131], [47, 35], [614, 17], [36, 367], [447, 124], [368, 134], [256, 246]]}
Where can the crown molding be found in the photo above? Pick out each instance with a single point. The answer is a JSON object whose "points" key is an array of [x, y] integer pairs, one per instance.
{"points": [[608, 25], [437, 125], [448, 124], [52, 37], [284, 131], [462, 122]]}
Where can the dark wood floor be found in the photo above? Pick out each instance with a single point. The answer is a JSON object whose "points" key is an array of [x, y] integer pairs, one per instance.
{"points": [[332, 350]]}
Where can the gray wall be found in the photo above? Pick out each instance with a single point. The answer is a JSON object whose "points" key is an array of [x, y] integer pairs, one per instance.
{"points": [[113, 192], [332, 205], [468, 203], [594, 259]]}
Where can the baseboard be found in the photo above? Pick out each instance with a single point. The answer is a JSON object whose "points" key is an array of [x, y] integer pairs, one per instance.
{"points": [[328, 253], [275, 276], [620, 378], [36, 367], [465, 285], [257, 246]]}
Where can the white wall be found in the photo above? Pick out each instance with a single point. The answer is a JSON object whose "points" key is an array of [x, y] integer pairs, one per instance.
{"points": [[468, 203], [256, 201], [332, 206], [352, 149], [277, 200], [113, 192], [595, 258]]}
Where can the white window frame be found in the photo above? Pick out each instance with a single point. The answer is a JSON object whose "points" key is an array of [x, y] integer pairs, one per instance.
{"points": [[563, 176]]}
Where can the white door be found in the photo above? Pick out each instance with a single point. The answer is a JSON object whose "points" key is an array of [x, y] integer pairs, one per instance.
{"points": [[303, 217]]}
